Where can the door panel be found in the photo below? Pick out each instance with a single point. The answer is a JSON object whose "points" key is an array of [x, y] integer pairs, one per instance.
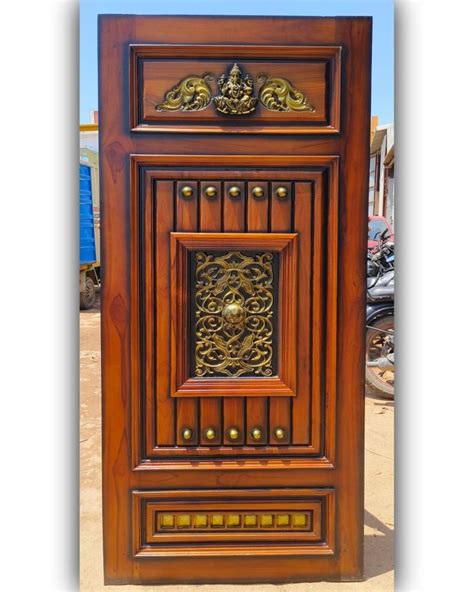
{"points": [[288, 415], [293, 85], [233, 160]]}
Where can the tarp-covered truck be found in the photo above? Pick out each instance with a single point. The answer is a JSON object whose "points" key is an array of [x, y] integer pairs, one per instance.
{"points": [[89, 216]]}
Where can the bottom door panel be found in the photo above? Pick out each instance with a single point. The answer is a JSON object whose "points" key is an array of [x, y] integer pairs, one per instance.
{"points": [[232, 522]]}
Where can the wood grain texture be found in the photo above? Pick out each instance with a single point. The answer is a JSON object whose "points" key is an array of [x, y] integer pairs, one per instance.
{"points": [[313, 70], [315, 179], [135, 180]]}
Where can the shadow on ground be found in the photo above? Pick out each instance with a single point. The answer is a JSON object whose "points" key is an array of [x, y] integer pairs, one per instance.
{"points": [[378, 547]]}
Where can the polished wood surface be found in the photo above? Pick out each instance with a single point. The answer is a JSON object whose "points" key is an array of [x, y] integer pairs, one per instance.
{"points": [[178, 506], [312, 70]]}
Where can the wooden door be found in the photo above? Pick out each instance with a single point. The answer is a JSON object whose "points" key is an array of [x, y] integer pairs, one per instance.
{"points": [[234, 159]]}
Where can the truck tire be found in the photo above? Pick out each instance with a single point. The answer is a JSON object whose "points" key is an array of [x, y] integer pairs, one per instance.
{"points": [[87, 297]]}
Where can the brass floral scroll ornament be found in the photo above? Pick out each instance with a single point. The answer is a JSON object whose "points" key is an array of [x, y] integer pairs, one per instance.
{"points": [[193, 93], [190, 94], [233, 305], [237, 93], [278, 94]]}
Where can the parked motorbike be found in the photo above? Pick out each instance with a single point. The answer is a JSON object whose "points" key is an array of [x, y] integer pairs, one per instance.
{"points": [[380, 338]]}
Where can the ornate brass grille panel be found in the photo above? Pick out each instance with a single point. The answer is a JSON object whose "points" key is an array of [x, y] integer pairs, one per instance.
{"points": [[234, 309]]}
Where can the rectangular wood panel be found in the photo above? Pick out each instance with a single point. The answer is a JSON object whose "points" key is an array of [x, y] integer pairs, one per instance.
{"points": [[303, 214], [275, 422], [297, 88], [234, 221], [257, 221], [177, 522], [164, 223], [210, 220], [186, 220], [281, 221]]}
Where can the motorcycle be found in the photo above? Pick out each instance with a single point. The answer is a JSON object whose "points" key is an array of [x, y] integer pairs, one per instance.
{"points": [[380, 337]]}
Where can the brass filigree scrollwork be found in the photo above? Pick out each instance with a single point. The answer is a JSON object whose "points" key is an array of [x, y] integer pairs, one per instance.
{"points": [[233, 305], [190, 94], [193, 93], [237, 93], [278, 94]]}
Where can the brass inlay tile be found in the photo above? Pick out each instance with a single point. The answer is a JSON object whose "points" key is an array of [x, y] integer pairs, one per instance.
{"points": [[283, 520], [200, 520], [217, 520], [250, 520], [233, 520], [266, 520], [299, 519], [183, 520], [167, 520]]}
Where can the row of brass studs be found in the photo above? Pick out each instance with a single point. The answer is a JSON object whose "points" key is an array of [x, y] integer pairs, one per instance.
{"points": [[233, 520], [233, 433], [234, 191]]}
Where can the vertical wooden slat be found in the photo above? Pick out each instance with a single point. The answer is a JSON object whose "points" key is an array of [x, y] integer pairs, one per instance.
{"points": [[149, 328], [234, 207], [256, 414], [234, 221], [318, 319], [210, 408], [210, 221], [257, 207], [186, 220], [303, 222], [280, 407], [210, 207], [257, 221], [164, 222], [234, 413]]}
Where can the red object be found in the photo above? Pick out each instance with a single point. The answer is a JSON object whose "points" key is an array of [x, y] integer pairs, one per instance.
{"points": [[377, 226]]}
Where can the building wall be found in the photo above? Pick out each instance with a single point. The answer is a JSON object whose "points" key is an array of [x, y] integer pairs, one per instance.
{"points": [[89, 139], [381, 183]]}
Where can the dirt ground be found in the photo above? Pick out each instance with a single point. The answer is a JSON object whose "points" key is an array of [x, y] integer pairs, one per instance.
{"points": [[379, 522]]}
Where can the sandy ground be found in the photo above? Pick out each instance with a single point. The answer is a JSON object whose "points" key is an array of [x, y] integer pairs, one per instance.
{"points": [[379, 535]]}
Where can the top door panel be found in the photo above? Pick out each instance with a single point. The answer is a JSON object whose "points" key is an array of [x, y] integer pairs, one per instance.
{"points": [[235, 89]]}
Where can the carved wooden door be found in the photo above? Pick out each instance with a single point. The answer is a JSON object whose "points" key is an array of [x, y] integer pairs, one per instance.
{"points": [[234, 159]]}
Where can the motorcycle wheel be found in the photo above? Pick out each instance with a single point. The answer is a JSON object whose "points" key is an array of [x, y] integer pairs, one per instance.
{"points": [[380, 382]]}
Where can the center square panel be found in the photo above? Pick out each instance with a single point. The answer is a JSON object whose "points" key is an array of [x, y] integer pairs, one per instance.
{"points": [[234, 314]]}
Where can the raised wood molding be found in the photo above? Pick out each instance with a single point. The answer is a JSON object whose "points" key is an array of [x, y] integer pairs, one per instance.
{"points": [[284, 384], [315, 537], [281, 123], [145, 169]]}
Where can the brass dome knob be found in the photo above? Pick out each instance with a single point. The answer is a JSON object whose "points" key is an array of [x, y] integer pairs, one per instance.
{"points": [[187, 191], [282, 192], [233, 313], [258, 192], [257, 434], [279, 433], [234, 191], [187, 433], [233, 434], [210, 191], [210, 434]]}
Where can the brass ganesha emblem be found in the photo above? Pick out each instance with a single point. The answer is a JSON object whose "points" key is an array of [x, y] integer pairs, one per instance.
{"points": [[237, 94], [233, 314]]}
